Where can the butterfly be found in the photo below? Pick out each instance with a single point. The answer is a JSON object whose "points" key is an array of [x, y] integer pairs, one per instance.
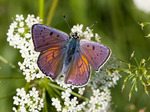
{"points": [[61, 52]]}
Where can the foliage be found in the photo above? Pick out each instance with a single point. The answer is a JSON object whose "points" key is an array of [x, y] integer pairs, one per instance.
{"points": [[137, 73]]}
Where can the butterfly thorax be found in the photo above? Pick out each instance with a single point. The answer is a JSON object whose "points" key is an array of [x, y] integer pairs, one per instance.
{"points": [[72, 47]]}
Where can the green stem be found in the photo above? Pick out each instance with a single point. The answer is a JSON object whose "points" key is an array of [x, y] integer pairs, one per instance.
{"points": [[136, 62], [7, 62], [73, 93], [44, 98], [51, 12], [41, 10], [27, 86]]}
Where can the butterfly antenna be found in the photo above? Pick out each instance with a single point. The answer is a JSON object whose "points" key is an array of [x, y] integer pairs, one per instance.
{"points": [[66, 21], [93, 24]]}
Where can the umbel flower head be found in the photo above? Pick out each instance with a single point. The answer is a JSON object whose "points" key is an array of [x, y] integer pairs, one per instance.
{"points": [[30, 102], [71, 98]]}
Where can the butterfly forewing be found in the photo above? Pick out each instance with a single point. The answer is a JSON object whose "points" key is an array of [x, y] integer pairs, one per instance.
{"points": [[79, 72], [50, 62], [96, 54], [45, 37]]}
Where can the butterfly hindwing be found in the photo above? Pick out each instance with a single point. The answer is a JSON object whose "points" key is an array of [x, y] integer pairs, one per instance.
{"points": [[51, 61], [45, 37], [97, 54], [79, 72]]}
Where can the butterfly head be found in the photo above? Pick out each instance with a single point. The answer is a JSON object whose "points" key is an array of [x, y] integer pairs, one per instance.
{"points": [[74, 35]]}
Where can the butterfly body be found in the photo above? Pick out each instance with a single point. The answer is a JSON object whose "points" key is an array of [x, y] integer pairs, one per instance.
{"points": [[72, 47], [59, 51]]}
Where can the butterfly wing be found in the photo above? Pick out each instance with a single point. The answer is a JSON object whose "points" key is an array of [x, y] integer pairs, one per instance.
{"points": [[45, 37], [79, 72], [97, 54], [51, 61]]}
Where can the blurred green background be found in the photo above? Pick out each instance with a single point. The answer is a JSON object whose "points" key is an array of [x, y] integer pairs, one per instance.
{"points": [[117, 25]]}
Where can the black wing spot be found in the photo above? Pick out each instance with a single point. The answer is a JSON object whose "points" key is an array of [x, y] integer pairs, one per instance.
{"points": [[93, 47], [87, 45], [100, 53], [41, 30], [97, 54], [101, 50], [51, 33], [43, 36], [57, 35], [40, 33], [53, 55], [44, 28]]}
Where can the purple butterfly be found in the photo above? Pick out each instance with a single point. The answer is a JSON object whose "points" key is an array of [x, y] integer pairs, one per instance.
{"points": [[61, 52]]}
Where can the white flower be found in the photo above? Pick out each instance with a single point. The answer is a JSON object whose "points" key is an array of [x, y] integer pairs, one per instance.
{"points": [[61, 83], [27, 35], [64, 110], [22, 109], [56, 103], [67, 101], [96, 93], [16, 100], [34, 93], [80, 107], [21, 24], [74, 101], [19, 17], [65, 94], [77, 29], [88, 33], [97, 37], [13, 25], [21, 30], [21, 92], [14, 109], [81, 90], [22, 67]]}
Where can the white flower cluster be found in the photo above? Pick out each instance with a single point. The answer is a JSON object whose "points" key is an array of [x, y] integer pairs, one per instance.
{"points": [[19, 36], [107, 76], [71, 104], [99, 101], [88, 33], [30, 102]]}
